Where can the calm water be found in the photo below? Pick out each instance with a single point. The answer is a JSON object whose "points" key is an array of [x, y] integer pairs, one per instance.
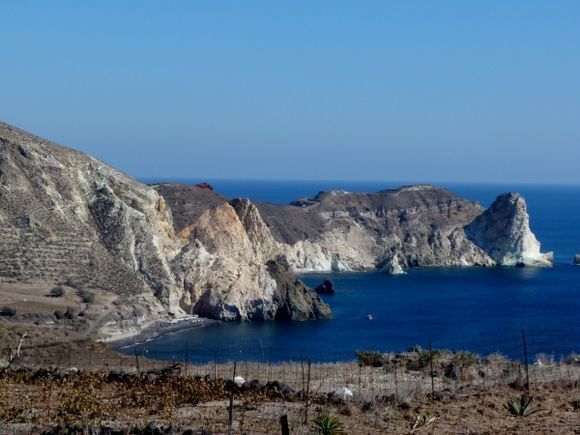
{"points": [[483, 310]]}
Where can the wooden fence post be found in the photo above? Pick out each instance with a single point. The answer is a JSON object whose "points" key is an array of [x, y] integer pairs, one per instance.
{"points": [[284, 426], [307, 392], [432, 372], [231, 408]]}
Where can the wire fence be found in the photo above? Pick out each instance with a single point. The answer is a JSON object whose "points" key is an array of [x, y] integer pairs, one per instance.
{"points": [[306, 383]]}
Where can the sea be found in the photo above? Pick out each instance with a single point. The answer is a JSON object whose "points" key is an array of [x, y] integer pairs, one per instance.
{"points": [[512, 311]]}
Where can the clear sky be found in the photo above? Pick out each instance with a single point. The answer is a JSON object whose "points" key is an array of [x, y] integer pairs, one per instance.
{"points": [[371, 90]]}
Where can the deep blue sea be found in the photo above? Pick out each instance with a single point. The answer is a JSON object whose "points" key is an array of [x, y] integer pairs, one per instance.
{"points": [[483, 310]]}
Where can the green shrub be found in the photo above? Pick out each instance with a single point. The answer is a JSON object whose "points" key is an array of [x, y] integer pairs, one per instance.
{"points": [[7, 311], [523, 408], [465, 359], [424, 359], [369, 358], [57, 292], [86, 296], [327, 425]]}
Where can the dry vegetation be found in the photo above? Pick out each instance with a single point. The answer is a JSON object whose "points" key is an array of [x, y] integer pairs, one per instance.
{"points": [[41, 392]]}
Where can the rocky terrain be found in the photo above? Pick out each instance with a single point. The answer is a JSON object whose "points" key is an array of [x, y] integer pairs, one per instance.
{"points": [[70, 220], [151, 253], [92, 390], [390, 230]]}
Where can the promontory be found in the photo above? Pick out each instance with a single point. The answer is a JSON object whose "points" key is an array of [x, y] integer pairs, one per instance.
{"points": [[150, 253]]}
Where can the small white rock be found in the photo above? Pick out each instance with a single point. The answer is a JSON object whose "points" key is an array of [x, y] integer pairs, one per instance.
{"points": [[239, 381], [342, 393]]}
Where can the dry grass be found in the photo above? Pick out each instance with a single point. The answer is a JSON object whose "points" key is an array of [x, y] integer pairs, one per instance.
{"points": [[388, 399]]}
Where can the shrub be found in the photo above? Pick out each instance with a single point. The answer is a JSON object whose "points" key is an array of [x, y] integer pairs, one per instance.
{"points": [[523, 408], [7, 311], [465, 359], [82, 403], [422, 420], [424, 359], [327, 425], [86, 296], [69, 313], [369, 358], [57, 292], [58, 314]]}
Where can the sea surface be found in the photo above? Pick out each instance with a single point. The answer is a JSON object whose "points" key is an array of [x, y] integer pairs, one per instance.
{"points": [[483, 310]]}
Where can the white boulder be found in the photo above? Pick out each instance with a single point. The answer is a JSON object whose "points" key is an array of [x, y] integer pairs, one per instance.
{"points": [[393, 267], [342, 393]]}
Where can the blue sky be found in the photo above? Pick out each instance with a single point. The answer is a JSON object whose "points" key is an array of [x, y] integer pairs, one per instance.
{"points": [[354, 90]]}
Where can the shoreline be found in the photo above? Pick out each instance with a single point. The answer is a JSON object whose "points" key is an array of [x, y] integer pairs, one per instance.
{"points": [[160, 328]]}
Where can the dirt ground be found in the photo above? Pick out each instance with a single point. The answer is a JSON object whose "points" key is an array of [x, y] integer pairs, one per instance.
{"points": [[154, 397], [42, 317]]}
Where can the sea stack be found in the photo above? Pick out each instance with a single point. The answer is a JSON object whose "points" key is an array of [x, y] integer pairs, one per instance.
{"points": [[393, 267], [503, 232], [167, 251], [577, 260], [326, 288]]}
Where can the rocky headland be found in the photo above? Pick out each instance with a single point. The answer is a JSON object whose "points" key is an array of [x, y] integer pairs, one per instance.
{"points": [[161, 252]]}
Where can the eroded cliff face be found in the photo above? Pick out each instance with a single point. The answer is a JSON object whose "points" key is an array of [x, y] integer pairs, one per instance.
{"points": [[232, 269], [67, 217], [503, 231], [389, 230], [174, 250], [392, 230]]}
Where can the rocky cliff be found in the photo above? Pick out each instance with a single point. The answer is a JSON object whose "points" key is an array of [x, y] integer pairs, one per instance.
{"points": [[412, 226], [390, 230], [170, 250], [66, 217], [503, 232]]}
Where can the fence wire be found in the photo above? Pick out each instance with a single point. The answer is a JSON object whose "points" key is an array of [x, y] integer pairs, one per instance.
{"points": [[305, 379]]}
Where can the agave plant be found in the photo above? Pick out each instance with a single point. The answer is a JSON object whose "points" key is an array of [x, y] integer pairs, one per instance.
{"points": [[327, 425], [521, 409], [422, 420]]}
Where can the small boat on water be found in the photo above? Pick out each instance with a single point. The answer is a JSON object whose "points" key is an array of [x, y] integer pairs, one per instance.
{"points": [[369, 317]]}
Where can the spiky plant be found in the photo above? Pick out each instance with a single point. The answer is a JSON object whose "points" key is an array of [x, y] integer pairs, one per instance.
{"points": [[523, 408], [327, 425], [422, 420]]}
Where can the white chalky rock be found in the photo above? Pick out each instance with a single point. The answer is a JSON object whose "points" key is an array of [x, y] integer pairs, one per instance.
{"points": [[342, 393], [239, 381]]}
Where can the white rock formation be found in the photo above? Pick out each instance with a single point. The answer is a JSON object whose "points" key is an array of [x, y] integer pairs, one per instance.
{"points": [[239, 381], [393, 267], [342, 393], [66, 216], [503, 231]]}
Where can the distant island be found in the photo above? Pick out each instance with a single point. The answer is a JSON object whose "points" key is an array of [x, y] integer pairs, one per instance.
{"points": [[131, 256]]}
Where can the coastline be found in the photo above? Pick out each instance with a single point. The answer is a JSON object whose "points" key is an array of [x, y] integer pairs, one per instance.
{"points": [[158, 329]]}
